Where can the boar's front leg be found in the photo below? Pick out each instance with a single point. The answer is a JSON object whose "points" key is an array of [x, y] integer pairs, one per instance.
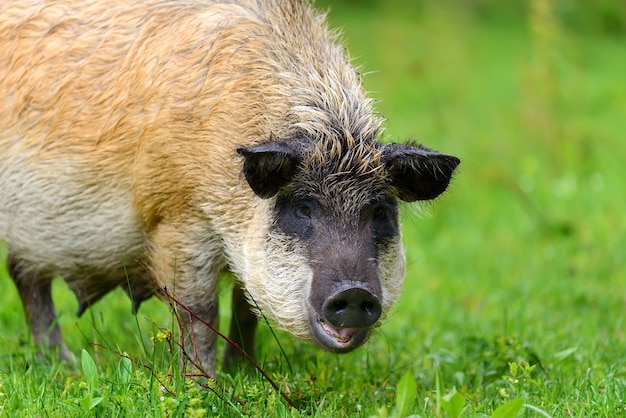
{"points": [[199, 307], [36, 296], [242, 329], [188, 273], [199, 339]]}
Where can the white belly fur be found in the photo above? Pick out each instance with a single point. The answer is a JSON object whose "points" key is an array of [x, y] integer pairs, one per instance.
{"points": [[56, 224]]}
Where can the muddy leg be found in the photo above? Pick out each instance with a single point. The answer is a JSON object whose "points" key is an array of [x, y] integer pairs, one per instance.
{"points": [[242, 330], [39, 309]]}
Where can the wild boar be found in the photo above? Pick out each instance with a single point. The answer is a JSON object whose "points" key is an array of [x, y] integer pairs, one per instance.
{"points": [[195, 137]]}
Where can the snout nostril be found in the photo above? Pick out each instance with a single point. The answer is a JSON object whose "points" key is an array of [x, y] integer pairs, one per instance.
{"points": [[340, 305], [367, 307]]}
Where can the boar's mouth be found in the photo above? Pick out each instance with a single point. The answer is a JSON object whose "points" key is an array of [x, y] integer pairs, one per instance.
{"points": [[335, 339]]}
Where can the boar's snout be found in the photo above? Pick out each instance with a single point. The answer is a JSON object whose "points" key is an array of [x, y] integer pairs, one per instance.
{"points": [[354, 307], [345, 318]]}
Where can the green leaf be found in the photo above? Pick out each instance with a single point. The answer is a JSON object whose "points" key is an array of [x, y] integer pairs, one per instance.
{"points": [[124, 370], [453, 403], [509, 410], [90, 370], [405, 395], [563, 354], [94, 402], [85, 402]]}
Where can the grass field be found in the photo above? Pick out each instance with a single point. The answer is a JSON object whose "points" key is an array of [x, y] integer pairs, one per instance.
{"points": [[516, 279]]}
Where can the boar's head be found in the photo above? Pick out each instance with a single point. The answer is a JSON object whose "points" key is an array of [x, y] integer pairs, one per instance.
{"points": [[332, 263]]}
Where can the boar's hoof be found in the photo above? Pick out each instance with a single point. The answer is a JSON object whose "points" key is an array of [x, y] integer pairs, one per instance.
{"points": [[346, 319]]}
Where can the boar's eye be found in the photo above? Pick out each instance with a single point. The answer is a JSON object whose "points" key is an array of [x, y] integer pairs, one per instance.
{"points": [[380, 213], [383, 220], [302, 210], [294, 217]]}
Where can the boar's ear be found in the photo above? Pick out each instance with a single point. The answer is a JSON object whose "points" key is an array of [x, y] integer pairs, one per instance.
{"points": [[268, 167], [417, 172]]}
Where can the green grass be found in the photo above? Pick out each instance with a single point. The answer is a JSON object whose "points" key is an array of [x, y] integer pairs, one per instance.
{"points": [[516, 280]]}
